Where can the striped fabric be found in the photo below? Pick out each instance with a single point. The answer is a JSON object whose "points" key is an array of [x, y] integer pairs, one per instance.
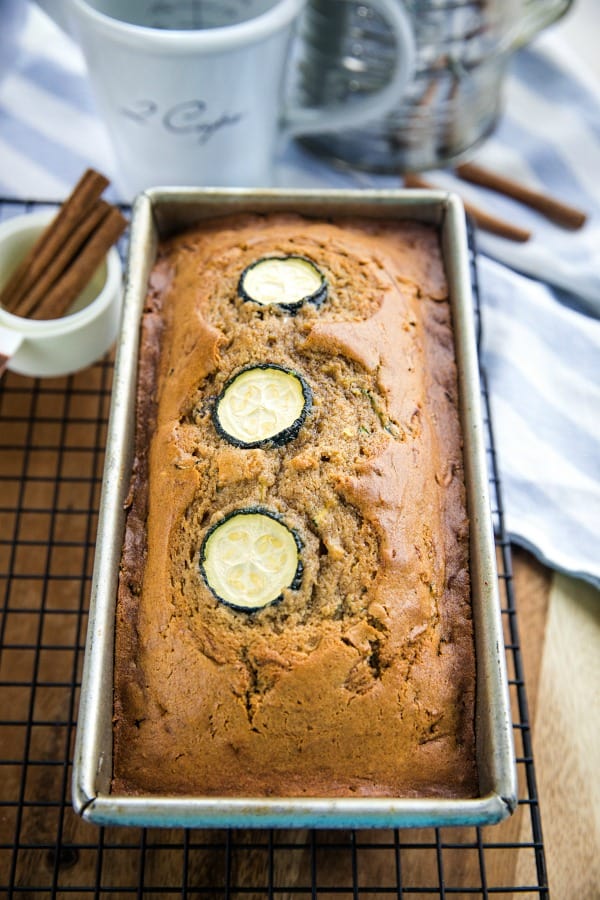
{"points": [[541, 300], [542, 360]]}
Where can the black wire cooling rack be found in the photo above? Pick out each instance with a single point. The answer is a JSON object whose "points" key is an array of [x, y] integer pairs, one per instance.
{"points": [[52, 435]]}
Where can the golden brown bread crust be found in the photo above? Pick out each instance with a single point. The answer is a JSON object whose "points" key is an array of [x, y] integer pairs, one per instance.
{"points": [[361, 682]]}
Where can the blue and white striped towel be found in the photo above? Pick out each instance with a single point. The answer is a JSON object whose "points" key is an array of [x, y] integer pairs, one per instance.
{"points": [[541, 300]]}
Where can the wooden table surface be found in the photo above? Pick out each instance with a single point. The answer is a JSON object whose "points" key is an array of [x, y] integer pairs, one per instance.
{"points": [[559, 621]]}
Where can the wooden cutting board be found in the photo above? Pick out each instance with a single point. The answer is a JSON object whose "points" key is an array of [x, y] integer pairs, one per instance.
{"points": [[559, 622]]}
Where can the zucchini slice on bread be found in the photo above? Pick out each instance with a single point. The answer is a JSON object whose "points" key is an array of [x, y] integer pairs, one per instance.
{"points": [[250, 557], [264, 405], [283, 281]]}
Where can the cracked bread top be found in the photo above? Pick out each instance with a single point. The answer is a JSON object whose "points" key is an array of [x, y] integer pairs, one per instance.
{"points": [[361, 680]]}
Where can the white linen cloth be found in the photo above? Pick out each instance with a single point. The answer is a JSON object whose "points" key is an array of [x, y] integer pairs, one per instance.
{"points": [[540, 300]]}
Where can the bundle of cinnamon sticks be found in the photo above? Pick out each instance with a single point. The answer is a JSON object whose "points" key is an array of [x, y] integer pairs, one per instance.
{"points": [[65, 256]]}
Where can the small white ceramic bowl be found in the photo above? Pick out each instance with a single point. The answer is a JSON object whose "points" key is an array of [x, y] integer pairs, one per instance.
{"points": [[60, 346]]}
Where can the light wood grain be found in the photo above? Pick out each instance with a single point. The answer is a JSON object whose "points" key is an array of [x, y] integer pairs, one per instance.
{"points": [[567, 740], [532, 584]]}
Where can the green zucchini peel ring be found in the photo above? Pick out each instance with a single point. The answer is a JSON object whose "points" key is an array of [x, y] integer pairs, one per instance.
{"points": [[286, 282], [262, 405], [250, 557]]}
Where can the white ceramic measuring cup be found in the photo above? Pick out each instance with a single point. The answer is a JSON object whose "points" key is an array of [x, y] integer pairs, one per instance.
{"points": [[52, 347], [193, 93]]}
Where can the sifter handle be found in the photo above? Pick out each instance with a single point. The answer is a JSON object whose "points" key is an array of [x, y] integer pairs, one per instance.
{"points": [[337, 116]]}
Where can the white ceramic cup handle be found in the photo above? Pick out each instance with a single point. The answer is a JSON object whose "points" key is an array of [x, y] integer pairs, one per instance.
{"points": [[336, 116]]}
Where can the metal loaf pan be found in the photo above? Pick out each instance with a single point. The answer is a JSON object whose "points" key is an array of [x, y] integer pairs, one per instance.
{"points": [[158, 213]]}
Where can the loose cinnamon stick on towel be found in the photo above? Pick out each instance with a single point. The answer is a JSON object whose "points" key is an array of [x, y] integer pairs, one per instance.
{"points": [[64, 291], [561, 213], [86, 192], [485, 220]]}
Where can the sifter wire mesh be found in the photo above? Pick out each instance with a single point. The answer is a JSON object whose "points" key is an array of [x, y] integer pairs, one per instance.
{"points": [[52, 435]]}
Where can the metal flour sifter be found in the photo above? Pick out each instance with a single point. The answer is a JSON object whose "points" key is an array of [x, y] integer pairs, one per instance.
{"points": [[462, 49]]}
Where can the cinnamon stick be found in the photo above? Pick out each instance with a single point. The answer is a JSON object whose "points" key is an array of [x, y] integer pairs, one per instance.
{"points": [[485, 220], [561, 213], [73, 243], [76, 207], [77, 275]]}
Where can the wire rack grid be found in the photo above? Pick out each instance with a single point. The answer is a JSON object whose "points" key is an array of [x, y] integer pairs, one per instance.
{"points": [[52, 435]]}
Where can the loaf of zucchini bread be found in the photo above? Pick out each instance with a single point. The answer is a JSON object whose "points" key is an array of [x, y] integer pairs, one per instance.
{"points": [[294, 613]]}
